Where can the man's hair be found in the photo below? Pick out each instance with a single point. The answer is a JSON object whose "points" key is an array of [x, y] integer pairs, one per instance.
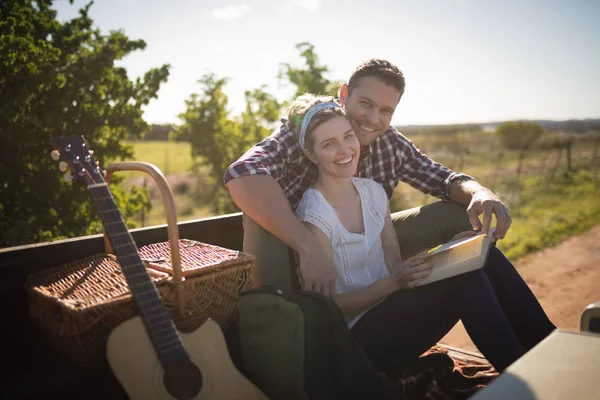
{"points": [[382, 69], [298, 109]]}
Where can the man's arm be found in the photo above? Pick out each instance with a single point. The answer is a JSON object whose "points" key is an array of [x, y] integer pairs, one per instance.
{"points": [[421, 172], [263, 200], [480, 200]]}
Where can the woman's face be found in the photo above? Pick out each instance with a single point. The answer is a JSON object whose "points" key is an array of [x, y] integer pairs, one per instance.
{"points": [[335, 148]]}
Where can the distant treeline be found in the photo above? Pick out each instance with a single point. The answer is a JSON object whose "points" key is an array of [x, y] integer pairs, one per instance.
{"points": [[157, 132], [162, 131], [572, 125]]}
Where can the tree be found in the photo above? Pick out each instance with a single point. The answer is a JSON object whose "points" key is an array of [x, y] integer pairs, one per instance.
{"points": [[212, 135], [60, 79], [519, 135], [311, 77], [262, 111], [516, 135], [216, 138]]}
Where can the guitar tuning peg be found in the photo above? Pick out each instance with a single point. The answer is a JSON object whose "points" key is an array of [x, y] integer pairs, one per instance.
{"points": [[62, 166], [55, 155], [68, 177], [91, 152]]}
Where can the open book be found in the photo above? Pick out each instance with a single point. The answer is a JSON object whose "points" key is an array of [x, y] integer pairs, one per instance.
{"points": [[459, 256]]}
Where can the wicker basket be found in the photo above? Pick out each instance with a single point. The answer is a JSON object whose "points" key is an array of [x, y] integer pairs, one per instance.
{"points": [[80, 302]]}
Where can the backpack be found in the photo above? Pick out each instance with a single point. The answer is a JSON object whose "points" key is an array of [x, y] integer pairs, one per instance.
{"points": [[296, 345]]}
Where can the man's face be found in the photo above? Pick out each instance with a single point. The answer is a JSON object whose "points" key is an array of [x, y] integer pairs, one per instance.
{"points": [[370, 107]]}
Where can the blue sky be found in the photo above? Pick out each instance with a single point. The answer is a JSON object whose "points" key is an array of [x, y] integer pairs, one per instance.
{"points": [[464, 60]]}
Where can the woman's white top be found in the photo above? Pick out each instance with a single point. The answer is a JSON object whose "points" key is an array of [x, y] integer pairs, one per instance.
{"points": [[358, 257]]}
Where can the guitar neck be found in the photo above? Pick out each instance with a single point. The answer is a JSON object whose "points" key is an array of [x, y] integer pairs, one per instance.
{"points": [[157, 320]]}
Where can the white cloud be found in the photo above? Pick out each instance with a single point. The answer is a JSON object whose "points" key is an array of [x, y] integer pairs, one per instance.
{"points": [[230, 12], [310, 5]]}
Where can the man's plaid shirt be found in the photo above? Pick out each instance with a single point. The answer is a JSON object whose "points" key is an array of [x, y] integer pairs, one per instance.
{"points": [[388, 159]]}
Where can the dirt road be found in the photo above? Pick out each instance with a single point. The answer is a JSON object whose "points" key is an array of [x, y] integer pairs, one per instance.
{"points": [[565, 279]]}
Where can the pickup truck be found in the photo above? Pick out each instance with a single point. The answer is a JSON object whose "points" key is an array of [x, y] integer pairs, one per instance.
{"points": [[34, 369]]}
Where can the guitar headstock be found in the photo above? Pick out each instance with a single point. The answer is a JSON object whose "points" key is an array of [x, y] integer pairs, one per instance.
{"points": [[77, 156]]}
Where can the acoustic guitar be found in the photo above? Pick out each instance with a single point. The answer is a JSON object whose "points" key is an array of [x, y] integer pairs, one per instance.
{"points": [[149, 357]]}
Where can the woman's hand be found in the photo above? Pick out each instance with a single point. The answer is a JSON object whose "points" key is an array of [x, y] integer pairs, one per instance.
{"points": [[407, 274]]}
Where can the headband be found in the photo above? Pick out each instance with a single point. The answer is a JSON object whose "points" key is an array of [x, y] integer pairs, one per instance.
{"points": [[308, 116]]}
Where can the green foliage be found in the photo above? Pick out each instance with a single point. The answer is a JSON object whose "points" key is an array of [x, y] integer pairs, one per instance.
{"points": [[518, 135], [310, 78], [262, 111], [206, 123], [60, 79], [216, 138], [257, 120], [561, 140]]}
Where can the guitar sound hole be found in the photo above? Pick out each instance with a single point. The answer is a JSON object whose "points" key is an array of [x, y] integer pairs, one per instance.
{"points": [[182, 379]]}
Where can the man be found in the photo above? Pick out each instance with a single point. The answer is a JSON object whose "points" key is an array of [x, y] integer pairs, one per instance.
{"points": [[268, 181]]}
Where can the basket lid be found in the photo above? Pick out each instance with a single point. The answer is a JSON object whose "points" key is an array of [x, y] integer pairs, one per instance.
{"points": [[86, 282], [197, 258]]}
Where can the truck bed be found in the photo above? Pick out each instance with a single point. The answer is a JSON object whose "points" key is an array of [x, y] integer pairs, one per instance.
{"points": [[34, 369]]}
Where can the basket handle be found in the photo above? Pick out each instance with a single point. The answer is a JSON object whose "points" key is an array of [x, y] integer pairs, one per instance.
{"points": [[172, 229]]}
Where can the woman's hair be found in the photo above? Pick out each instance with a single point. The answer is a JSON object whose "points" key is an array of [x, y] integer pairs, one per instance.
{"points": [[300, 106]]}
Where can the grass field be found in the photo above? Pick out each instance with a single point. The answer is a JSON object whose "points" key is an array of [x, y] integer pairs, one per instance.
{"points": [[547, 202], [175, 161], [550, 213], [170, 157]]}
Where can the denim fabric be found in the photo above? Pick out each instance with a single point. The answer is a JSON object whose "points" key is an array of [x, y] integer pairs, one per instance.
{"points": [[497, 308]]}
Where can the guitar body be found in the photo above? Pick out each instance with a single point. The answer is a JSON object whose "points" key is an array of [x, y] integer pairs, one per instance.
{"points": [[136, 366]]}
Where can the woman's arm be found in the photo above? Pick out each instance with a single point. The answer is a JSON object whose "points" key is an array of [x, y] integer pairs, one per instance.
{"points": [[352, 303], [389, 241], [405, 274]]}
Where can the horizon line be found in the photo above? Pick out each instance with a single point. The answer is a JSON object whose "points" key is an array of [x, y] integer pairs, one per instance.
{"points": [[492, 122]]}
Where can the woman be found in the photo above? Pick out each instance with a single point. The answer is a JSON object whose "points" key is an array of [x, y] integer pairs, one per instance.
{"points": [[391, 319]]}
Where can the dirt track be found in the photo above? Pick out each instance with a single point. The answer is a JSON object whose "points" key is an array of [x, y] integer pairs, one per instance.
{"points": [[565, 279]]}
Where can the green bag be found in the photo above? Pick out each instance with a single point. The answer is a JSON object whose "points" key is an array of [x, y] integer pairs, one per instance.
{"points": [[296, 345]]}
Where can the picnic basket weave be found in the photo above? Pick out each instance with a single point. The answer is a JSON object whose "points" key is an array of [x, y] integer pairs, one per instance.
{"points": [[78, 303]]}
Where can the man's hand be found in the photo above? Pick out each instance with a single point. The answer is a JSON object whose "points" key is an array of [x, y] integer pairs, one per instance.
{"points": [[263, 200], [408, 273], [487, 203], [315, 268]]}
